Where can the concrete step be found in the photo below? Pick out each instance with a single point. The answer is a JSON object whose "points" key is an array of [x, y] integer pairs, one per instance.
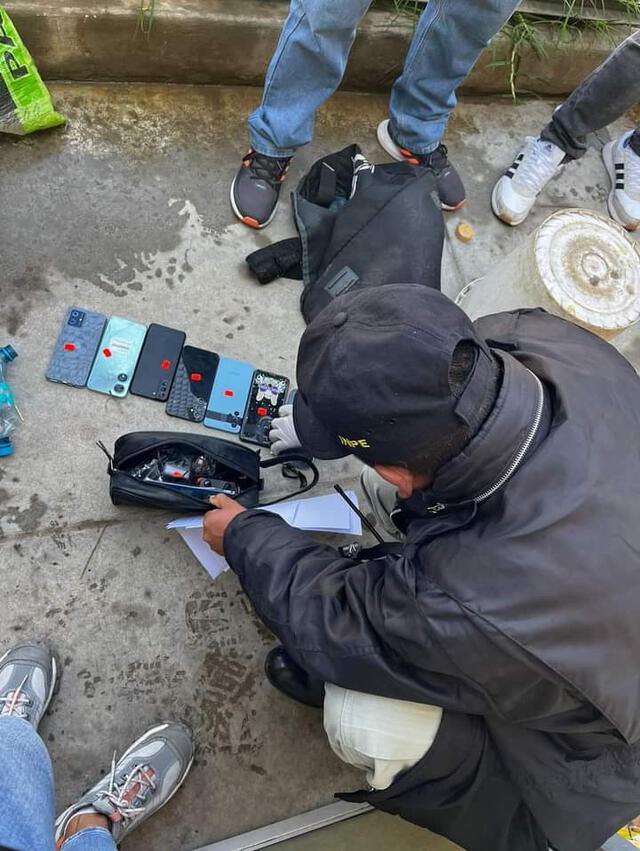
{"points": [[230, 42], [372, 832]]}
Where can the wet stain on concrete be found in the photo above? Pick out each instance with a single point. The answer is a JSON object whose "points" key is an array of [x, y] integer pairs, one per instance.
{"points": [[222, 697], [103, 583], [140, 616], [62, 540], [19, 292], [26, 519]]}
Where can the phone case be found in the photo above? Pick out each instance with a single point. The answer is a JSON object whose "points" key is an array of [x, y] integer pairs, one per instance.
{"points": [[268, 392], [229, 395], [76, 347], [117, 357], [192, 384]]}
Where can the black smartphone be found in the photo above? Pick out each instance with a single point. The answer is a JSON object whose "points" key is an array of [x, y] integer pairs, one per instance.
{"points": [[268, 392], [192, 384], [157, 363]]}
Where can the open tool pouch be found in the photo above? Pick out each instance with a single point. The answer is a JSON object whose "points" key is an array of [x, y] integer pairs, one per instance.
{"points": [[180, 471]]}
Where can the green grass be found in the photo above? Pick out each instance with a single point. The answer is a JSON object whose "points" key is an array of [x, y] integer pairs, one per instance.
{"points": [[146, 11]]}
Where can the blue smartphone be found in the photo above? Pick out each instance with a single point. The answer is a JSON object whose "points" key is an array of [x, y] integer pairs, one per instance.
{"points": [[229, 395], [76, 347], [117, 357]]}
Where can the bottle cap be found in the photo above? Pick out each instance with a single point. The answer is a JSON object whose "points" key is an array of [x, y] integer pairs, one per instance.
{"points": [[6, 447], [8, 353]]}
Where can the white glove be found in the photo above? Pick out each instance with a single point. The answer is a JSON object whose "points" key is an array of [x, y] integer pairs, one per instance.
{"points": [[283, 431]]}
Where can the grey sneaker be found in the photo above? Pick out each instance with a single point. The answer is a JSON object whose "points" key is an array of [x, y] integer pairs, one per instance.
{"points": [[145, 777], [28, 676], [255, 190], [448, 181]]}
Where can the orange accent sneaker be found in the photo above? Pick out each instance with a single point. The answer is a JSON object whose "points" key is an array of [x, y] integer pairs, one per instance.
{"points": [[448, 182], [255, 190]]}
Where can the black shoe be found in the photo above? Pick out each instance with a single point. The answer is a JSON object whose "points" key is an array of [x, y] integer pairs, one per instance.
{"points": [[289, 678], [448, 182], [256, 188]]}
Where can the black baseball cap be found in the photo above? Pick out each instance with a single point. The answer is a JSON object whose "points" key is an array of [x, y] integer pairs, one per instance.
{"points": [[373, 374]]}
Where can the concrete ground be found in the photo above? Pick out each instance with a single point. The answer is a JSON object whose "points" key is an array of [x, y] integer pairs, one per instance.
{"points": [[125, 211]]}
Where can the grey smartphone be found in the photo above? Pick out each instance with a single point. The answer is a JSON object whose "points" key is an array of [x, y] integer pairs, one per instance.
{"points": [[76, 347]]}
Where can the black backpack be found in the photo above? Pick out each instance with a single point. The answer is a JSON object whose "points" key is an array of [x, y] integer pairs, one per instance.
{"points": [[359, 225]]}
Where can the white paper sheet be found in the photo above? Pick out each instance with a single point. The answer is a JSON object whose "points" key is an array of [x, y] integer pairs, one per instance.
{"points": [[328, 513]]}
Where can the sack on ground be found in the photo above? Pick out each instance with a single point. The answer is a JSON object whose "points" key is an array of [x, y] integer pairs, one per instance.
{"points": [[25, 103]]}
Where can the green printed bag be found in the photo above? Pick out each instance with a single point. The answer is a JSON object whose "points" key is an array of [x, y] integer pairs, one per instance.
{"points": [[25, 103]]}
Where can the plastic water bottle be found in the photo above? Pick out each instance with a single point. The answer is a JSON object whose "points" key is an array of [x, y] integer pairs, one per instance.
{"points": [[9, 417]]}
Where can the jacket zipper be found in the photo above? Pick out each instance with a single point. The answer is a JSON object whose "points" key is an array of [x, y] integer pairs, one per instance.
{"points": [[517, 460]]}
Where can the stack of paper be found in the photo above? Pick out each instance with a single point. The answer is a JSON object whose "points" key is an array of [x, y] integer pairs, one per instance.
{"points": [[328, 513]]}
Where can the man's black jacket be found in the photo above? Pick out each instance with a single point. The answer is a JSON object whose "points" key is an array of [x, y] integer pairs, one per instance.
{"points": [[522, 609]]}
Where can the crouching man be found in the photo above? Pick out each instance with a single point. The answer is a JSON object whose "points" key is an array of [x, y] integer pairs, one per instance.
{"points": [[487, 677]]}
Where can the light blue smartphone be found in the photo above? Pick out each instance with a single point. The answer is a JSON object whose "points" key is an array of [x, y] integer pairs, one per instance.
{"points": [[117, 357], [229, 395]]}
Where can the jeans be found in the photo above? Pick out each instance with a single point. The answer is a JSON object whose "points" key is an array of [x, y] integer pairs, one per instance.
{"points": [[312, 54], [602, 97], [26, 795]]}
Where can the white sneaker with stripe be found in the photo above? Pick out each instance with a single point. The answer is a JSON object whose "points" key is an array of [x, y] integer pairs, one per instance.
{"points": [[623, 166], [515, 193]]}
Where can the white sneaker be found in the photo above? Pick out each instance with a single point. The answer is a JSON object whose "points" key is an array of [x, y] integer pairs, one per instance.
{"points": [[623, 165], [515, 193]]}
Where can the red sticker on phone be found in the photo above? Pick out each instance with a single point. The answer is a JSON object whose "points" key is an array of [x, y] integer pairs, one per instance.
{"points": [[228, 393], [196, 376], [106, 353], [69, 347], [165, 364]]}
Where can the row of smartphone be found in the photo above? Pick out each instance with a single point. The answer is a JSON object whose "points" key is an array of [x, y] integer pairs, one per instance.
{"points": [[118, 356]]}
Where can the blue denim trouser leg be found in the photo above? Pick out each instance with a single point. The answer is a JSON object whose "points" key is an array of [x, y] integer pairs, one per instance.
{"points": [[26, 788], [93, 839], [305, 70], [312, 54], [602, 97], [26, 795], [449, 38]]}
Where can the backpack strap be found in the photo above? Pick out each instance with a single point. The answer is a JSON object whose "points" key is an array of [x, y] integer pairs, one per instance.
{"points": [[291, 470]]}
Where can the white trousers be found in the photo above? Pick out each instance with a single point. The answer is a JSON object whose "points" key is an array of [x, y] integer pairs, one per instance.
{"points": [[380, 735]]}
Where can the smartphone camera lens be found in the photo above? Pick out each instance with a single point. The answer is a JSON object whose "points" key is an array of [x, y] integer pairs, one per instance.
{"points": [[119, 388], [123, 376]]}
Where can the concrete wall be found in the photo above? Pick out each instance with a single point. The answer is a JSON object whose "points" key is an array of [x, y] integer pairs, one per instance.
{"points": [[231, 41]]}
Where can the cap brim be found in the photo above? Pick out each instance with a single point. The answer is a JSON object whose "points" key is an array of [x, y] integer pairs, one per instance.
{"points": [[313, 434]]}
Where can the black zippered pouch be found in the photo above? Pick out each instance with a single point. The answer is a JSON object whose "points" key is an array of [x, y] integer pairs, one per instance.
{"points": [[236, 465]]}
